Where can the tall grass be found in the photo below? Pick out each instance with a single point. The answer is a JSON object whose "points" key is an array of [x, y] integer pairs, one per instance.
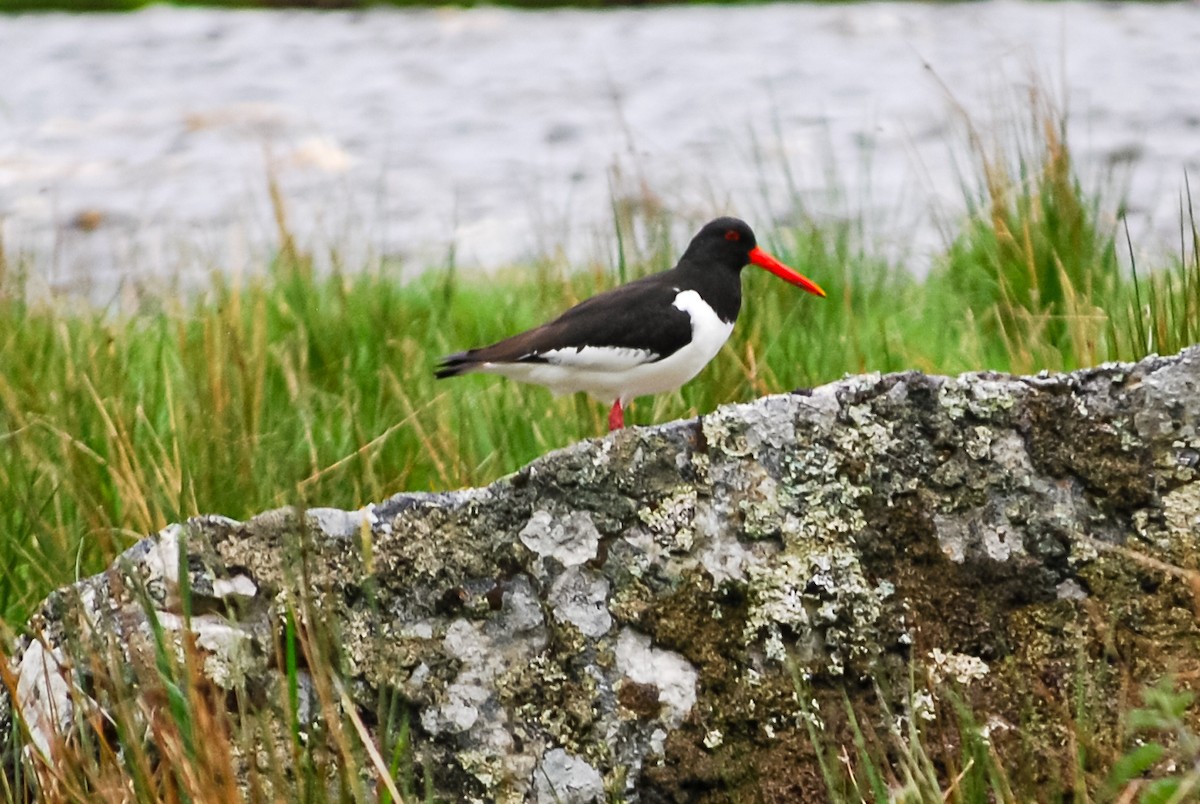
{"points": [[1035, 256]]}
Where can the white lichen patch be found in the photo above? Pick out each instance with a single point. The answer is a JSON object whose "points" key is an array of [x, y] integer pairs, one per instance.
{"points": [[44, 695], [724, 433], [483, 657], [1010, 452], [977, 443], [162, 560], [485, 766], [657, 744], [237, 586], [580, 597], [985, 530], [770, 422], [521, 610], [563, 778], [1183, 461], [1002, 540], [982, 398], [736, 431], [670, 520], [415, 683], [571, 540], [459, 709], [962, 667], [923, 705], [722, 555], [778, 600], [953, 536], [228, 649], [339, 524], [831, 512], [995, 724], [161, 564], [670, 673], [821, 599], [1181, 511], [761, 504], [1070, 590], [1164, 391], [817, 411], [468, 706]]}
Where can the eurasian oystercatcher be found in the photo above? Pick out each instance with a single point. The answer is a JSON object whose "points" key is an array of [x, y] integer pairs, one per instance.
{"points": [[649, 336]]}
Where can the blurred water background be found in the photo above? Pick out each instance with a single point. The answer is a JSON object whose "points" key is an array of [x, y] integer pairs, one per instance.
{"points": [[141, 146]]}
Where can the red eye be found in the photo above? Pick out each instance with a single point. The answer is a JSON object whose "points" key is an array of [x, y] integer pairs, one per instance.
{"points": [[732, 236]]}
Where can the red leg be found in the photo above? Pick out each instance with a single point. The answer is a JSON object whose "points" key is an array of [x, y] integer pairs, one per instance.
{"points": [[616, 417]]}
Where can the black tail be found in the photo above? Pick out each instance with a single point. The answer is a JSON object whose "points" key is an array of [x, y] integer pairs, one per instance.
{"points": [[453, 365]]}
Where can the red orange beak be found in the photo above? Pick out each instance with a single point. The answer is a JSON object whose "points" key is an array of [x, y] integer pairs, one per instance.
{"points": [[764, 260]]}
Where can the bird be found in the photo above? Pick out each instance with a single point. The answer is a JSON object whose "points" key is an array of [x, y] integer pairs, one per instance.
{"points": [[646, 337]]}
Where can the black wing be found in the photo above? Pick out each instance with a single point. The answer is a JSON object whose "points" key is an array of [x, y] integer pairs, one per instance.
{"points": [[638, 320]]}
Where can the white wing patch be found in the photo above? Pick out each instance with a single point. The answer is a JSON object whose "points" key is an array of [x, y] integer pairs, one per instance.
{"points": [[599, 358]]}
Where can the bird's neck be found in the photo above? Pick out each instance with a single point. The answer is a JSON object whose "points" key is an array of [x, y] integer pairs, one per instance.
{"points": [[720, 288]]}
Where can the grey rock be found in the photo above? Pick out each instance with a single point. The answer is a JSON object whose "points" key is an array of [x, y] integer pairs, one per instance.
{"points": [[565, 779]]}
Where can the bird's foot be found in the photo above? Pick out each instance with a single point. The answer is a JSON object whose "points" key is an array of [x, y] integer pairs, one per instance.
{"points": [[616, 417]]}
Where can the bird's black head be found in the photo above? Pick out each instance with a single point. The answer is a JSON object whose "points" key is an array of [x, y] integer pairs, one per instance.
{"points": [[728, 243], [723, 242]]}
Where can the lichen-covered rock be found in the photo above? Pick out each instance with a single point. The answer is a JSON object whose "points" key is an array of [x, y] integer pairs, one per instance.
{"points": [[633, 616]]}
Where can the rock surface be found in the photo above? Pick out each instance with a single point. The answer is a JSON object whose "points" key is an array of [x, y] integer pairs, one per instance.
{"points": [[635, 616]]}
